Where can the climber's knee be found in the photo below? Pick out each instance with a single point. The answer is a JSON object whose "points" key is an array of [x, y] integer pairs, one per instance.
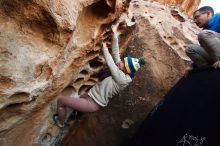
{"points": [[202, 36]]}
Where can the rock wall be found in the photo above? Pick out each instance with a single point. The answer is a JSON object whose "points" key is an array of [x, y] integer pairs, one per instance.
{"points": [[51, 48], [47, 48], [187, 5], [159, 35]]}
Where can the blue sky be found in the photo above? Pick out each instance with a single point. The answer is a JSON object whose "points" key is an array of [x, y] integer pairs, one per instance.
{"points": [[215, 4]]}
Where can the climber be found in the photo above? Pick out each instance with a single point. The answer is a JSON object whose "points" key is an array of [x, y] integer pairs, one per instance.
{"points": [[99, 95], [208, 52]]}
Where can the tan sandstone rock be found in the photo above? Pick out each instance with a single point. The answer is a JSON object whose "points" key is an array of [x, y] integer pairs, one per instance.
{"points": [[52, 47], [187, 5], [46, 47]]}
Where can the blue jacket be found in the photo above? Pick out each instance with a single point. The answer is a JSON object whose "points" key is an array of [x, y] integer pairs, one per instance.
{"points": [[214, 23]]}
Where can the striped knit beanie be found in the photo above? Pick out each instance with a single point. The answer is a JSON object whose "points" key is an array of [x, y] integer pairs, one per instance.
{"points": [[133, 64]]}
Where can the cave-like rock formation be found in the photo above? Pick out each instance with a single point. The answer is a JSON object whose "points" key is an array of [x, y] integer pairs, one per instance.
{"points": [[50, 48]]}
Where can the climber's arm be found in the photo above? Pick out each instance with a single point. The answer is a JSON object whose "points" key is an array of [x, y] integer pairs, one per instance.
{"points": [[115, 71], [115, 49]]}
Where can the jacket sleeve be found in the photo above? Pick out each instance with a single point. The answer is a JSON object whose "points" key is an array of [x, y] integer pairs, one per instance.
{"points": [[115, 71], [115, 49]]}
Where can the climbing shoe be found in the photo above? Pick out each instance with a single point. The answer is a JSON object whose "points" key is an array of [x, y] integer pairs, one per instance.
{"points": [[57, 121]]}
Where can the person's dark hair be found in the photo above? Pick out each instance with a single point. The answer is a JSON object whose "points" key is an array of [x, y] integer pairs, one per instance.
{"points": [[205, 9]]}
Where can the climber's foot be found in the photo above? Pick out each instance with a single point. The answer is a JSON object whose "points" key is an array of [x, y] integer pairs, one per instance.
{"points": [[57, 121]]}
